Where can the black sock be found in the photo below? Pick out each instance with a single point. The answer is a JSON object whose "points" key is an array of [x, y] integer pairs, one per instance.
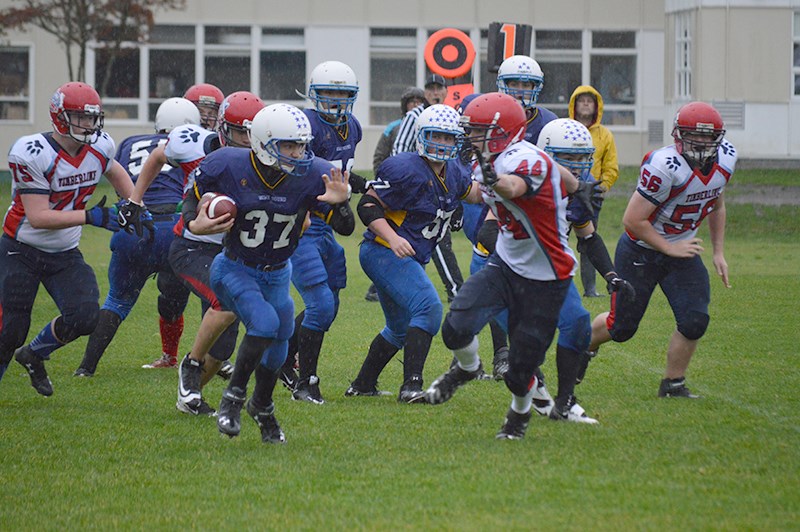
{"points": [[249, 356], [265, 384], [309, 345], [380, 353], [499, 338], [415, 352], [568, 362], [294, 341], [99, 340]]}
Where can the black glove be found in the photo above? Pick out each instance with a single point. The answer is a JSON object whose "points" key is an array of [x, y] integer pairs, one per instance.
{"points": [[134, 217], [357, 183], [102, 216], [457, 219], [588, 192], [487, 169], [623, 288]]}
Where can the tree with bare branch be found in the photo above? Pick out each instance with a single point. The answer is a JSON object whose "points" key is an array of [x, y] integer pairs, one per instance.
{"points": [[76, 23]]}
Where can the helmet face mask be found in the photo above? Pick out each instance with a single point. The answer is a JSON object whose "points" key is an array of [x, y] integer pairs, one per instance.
{"points": [[76, 112], [235, 117], [276, 133], [569, 143], [439, 134], [333, 88], [493, 121], [521, 77], [698, 131]]}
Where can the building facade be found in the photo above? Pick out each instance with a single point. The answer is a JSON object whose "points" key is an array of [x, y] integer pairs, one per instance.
{"points": [[646, 57]]}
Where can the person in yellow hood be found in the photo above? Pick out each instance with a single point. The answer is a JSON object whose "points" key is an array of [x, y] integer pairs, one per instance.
{"points": [[586, 106]]}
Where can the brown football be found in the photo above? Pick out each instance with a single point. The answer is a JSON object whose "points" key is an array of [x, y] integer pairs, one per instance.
{"points": [[219, 204]]}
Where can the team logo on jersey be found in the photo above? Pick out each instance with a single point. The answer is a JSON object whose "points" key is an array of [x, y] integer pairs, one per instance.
{"points": [[34, 147], [674, 162], [727, 148], [189, 136]]}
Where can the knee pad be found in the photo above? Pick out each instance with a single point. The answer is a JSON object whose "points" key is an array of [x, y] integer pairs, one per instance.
{"points": [[693, 325], [576, 331], [170, 309], [120, 307], [81, 322], [454, 339], [275, 355], [622, 335], [226, 343], [320, 308], [427, 315]]}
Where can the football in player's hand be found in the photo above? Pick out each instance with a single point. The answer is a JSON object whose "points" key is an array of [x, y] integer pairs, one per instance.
{"points": [[219, 204]]}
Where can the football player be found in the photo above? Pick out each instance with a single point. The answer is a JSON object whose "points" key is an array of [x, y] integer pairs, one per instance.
{"points": [[207, 98], [273, 186], [407, 210], [54, 175], [680, 185], [134, 259], [532, 260], [318, 265]]}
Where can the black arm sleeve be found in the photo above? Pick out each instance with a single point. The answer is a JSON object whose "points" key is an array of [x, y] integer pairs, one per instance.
{"points": [[343, 221], [189, 209], [369, 209], [487, 235], [358, 184], [594, 248]]}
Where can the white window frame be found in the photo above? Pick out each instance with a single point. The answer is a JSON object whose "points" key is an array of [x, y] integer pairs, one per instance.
{"points": [[684, 25], [30, 98]]}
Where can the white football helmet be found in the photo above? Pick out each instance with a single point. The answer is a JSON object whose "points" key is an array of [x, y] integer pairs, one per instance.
{"points": [[333, 76], [569, 143], [278, 123], [438, 118], [175, 112], [521, 68]]}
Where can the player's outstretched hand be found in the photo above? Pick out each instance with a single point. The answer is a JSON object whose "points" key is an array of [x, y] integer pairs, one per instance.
{"points": [[102, 216], [335, 187], [133, 217], [589, 194]]}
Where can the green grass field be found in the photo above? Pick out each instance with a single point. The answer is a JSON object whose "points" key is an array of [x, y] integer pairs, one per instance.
{"points": [[112, 451]]}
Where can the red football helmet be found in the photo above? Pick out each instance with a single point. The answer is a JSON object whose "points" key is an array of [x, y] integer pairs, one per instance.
{"points": [[698, 132], [207, 98], [70, 105], [236, 113], [496, 118]]}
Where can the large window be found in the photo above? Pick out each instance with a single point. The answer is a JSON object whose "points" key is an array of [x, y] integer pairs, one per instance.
{"points": [[604, 59], [15, 83], [133, 83], [683, 55], [393, 67], [796, 54]]}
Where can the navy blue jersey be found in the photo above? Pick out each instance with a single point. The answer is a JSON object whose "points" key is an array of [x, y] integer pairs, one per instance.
{"points": [[270, 205], [419, 202], [168, 185], [540, 118], [334, 144]]}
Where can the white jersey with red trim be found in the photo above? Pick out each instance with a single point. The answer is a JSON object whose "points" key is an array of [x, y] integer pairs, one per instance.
{"points": [[533, 237], [186, 147], [39, 165], [683, 196]]}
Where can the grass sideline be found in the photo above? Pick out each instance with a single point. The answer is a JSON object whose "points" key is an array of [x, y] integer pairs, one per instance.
{"points": [[112, 451]]}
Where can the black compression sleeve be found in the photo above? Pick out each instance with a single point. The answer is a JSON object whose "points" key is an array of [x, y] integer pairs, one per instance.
{"points": [[369, 209], [343, 221], [594, 248]]}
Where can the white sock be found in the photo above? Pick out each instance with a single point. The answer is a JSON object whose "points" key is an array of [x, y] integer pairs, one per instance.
{"points": [[467, 356], [522, 404]]}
